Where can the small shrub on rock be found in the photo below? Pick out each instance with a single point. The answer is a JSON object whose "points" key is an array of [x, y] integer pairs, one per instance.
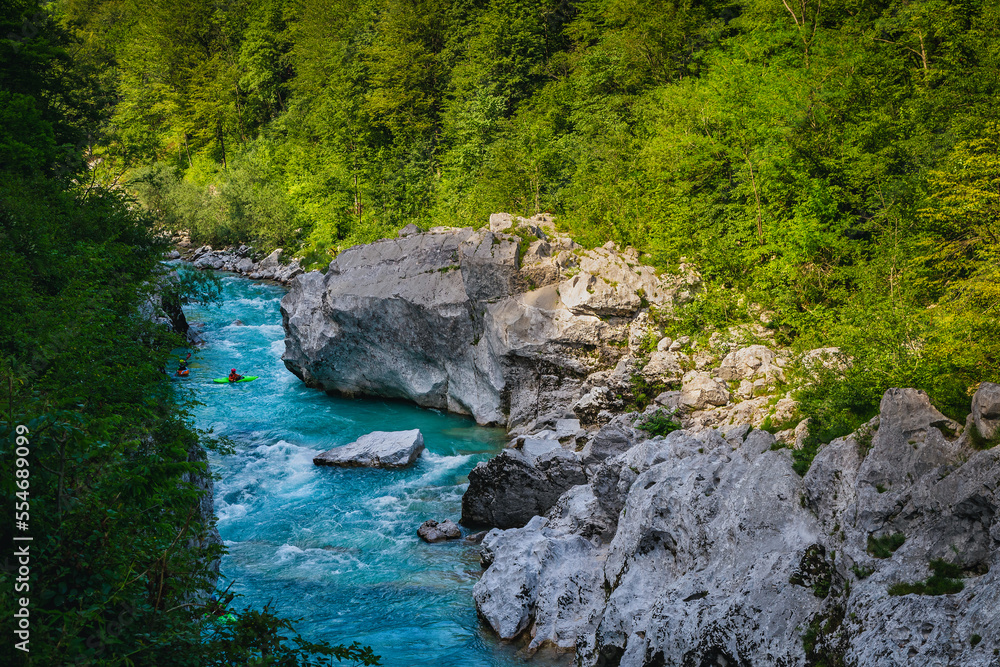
{"points": [[977, 440], [883, 547], [945, 580], [659, 423]]}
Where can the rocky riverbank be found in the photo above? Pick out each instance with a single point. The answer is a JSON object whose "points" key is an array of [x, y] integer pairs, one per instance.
{"points": [[513, 325], [700, 547], [705, 548], [242, 259]]}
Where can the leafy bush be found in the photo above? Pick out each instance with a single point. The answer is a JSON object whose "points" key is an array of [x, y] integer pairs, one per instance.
{"points": [[121, 553], [945, 580], [863, 438], [883, 547], [713, 308], [977, 440], [642, 393], [659, 423]]}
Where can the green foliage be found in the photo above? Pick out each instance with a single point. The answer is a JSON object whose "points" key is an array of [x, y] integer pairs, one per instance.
{"points": [[660, 422], [803, 457], [121, 553], [258, 638], [821, 640], [863, 438], [977, 440], [641, 393], [773, 427], [861, 571], [814, 571], [883, 547], [944, 580], [715, 307]]}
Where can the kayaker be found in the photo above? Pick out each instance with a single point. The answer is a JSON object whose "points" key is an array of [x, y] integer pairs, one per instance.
{"points": [[183, 364], [234, 376]]}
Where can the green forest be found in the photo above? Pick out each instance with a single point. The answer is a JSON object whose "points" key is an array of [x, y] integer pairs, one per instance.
{"points": [[835, 161]]}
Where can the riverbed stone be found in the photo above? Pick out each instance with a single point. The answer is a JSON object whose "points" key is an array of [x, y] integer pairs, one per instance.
{"points": [[378, 449], [434, 531]]}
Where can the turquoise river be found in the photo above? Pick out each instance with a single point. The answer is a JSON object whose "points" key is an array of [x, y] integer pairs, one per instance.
{"points": [[334, 547]]}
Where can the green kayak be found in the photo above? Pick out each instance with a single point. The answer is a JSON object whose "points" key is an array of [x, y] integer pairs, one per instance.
{"points": [[249, 378]]}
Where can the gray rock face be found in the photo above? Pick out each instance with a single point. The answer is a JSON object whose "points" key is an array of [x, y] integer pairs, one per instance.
{"points": [[455, 319], [549, 567], [585, 294], [700, 391], [663, 367], [910, 411], [750, 363], [432, 531], [607, 442], [405, 318], [378, 449], [986, 410], [510, 489], [713, 551], [238, 260]]}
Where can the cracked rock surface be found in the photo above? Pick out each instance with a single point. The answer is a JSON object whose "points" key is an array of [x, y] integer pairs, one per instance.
{"points": [[704, 548]]}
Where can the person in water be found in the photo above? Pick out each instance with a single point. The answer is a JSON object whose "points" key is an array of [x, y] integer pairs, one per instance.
{"points": [[234, 376], [183, 364]]}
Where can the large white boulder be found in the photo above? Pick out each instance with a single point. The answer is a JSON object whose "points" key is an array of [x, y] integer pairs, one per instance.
{"points": [[378, 449], [751, 363], [700, 391]]}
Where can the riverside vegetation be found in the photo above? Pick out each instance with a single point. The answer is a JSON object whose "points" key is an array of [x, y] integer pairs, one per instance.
{"points": [[122, 553]]}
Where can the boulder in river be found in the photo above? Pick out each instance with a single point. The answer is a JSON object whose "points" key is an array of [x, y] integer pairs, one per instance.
{"points": [[378, 449], [432, 531], [509, 489]]}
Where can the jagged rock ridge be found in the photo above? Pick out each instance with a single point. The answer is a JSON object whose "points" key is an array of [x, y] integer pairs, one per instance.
{"points": [[471, 321], [696, 549]]}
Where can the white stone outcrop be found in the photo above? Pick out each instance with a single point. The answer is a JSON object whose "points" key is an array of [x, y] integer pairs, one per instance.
{"points": [[700, 391], [663, 367], [378, 449], [707, 548], [751, 363], [459, 319]]}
